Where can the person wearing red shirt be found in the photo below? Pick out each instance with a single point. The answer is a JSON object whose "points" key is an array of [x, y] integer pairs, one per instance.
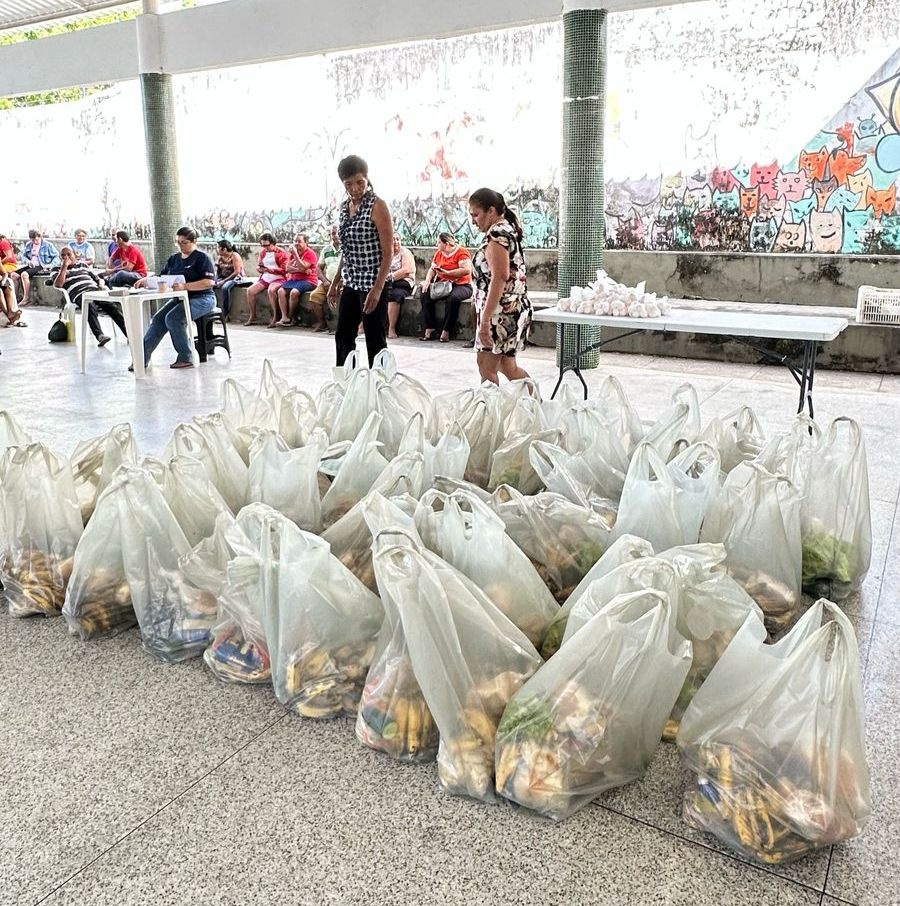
{"points": [[302, 277], [272, 269], [8, 260], [127, 264]]}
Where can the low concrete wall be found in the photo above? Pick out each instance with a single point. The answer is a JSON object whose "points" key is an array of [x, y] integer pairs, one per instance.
{"points": [[794, 279], [819, 280]]}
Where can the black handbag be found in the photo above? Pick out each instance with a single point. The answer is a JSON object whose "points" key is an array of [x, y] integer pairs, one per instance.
{"points": [[440, 289], [58, 332]]}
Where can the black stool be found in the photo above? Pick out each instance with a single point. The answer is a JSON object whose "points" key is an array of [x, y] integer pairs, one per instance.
{"points": [[207, 340]]}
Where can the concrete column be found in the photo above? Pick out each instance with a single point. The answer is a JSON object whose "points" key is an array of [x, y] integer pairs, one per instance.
{"points": [[582, 229], [162, 163], [159, 137]]}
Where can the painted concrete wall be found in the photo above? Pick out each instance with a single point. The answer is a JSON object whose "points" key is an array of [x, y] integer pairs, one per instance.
{"points": [[825, 280]]}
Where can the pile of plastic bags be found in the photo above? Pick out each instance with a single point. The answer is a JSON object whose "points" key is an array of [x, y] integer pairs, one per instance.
{"points": [[530, 593]]}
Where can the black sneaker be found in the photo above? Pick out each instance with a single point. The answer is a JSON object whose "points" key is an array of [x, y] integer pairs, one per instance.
{"points": [[102, 340]]}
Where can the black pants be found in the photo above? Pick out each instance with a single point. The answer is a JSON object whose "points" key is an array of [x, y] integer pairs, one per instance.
{"points": [[398, 291], [350, 313], [108, 308], [459, 293]]}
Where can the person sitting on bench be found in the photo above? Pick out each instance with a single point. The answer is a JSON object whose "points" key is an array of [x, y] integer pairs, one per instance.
{"points": [[37, 257], [127, 264], [302, 277]]}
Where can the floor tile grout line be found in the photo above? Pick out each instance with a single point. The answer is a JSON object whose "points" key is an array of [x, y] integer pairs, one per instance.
{"points": [[162, 808], [699, 843], [881, 587], [827, 872]]}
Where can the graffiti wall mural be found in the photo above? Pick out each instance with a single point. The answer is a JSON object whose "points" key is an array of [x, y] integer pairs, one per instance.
{"points": [[729, 126], [837, 195]]}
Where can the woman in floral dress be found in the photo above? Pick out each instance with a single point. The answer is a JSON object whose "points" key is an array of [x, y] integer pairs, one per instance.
{"points": [[502, 307]]}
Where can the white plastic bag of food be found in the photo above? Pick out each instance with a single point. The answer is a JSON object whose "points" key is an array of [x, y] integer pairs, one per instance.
{"points": [[95, 460], [469, 536], [633, 575], [712, 607], [359, 469], [321, 626], [238, 651], [562, 540], [737, 437], [590, 719], [650, 506], [467, 658], [287, 480], [757, 517], [12, 434], [678, 425], [359, 402], [41, 526], [563, 473], [480, 422], [351, 537], [835, 516], [208, 441], [695, 472], [776, 737], [192, 497], [393, 715], [175, 617], [298, 417], [272, 388], [446, 457], [623, 550], [98, 599], [399, 399], [245, 409], [511, 464]]}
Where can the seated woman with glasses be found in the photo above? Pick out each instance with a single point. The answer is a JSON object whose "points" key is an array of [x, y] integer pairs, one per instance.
{"points": [[195, 271], [452, 264], [272, 269]]}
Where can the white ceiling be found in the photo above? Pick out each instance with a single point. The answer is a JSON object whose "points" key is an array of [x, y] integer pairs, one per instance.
{"points": [[18, 13]]}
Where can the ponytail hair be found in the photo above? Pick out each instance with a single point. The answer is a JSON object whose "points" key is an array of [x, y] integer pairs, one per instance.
{"points": [[488, 198]]}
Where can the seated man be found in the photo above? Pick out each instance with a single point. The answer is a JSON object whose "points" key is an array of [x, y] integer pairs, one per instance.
{"points": [[329, 262], [8, 304], [126, 264], [302, 277], [77, 279], [401, 278], [37, 257], [84, 251]]}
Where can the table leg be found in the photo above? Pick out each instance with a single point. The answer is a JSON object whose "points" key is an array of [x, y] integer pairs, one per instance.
{"points": [[813, 353], [133, 311], [85, 307], [574, 367], [189, 326]]}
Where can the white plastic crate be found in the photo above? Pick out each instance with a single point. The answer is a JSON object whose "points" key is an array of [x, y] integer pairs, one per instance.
{"points": [[875, 305]]}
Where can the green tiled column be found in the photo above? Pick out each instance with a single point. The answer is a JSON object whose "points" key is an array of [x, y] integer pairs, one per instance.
{"points": [[582, 230], [162, 163]]}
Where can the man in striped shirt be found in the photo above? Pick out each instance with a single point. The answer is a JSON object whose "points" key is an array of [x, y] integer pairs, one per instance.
{"points": [[77, 279]]}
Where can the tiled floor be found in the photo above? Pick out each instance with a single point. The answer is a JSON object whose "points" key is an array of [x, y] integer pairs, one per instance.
{"points": [[124, 781]]}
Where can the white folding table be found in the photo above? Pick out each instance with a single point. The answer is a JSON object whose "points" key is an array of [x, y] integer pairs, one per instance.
{"points": [[135, 309], [741, 326]]}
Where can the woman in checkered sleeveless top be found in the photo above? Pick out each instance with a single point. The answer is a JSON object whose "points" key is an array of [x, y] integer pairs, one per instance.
{"points": [[366, 233]]}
